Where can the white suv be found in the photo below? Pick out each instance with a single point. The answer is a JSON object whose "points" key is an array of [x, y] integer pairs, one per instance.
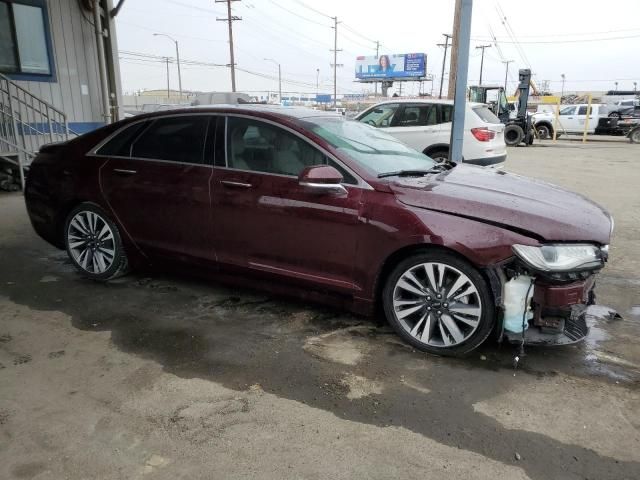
{"points": [[425, 125]]}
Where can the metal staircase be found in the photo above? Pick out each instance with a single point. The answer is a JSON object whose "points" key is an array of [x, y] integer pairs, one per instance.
{"points": [[26, 123]]}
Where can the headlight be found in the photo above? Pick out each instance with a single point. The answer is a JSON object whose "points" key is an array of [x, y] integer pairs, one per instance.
{"points": [[560, 258]]}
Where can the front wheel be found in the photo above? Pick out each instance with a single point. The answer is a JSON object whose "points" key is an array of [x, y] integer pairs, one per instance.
{"points": [[513, 135], [544, 132], [93, 243], [439, 304], [439, 156]]}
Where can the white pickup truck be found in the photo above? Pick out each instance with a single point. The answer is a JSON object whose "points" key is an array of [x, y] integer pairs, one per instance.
{"points": [[571, 119]]}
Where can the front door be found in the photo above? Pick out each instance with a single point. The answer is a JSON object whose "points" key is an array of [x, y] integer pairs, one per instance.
{"points": [[264, 220], [568, 120], [160, 191]]}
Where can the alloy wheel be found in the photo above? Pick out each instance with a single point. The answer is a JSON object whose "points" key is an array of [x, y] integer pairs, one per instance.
{"points": [[91, 242], [437, 304]]}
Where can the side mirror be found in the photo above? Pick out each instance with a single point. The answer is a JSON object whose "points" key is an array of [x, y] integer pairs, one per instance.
{"points": [[322, 179]]}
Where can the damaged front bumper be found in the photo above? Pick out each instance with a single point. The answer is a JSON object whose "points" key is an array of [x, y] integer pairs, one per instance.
{"points": [[560, 308], [559, 314]]}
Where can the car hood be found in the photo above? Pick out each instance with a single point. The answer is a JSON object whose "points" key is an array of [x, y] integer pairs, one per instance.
{"points": [[532, 207]]}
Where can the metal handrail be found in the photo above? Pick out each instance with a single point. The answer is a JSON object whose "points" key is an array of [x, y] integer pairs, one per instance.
{"points": [[27, 122]]}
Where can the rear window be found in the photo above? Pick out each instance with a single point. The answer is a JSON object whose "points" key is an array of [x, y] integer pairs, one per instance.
{"points": [[120, 144], [485, 114]]}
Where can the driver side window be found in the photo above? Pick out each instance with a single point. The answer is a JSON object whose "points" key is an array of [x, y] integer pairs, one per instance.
{"points": [[381, 116], [262, 147]]}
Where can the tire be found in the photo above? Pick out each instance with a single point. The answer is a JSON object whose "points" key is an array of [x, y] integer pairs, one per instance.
{"points": [[544, 132], [634, 135], [94, 244], [513, 135], [428, 322], [439, 156], [614, 115]]}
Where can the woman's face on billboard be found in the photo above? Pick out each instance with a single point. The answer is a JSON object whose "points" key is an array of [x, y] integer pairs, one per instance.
{"points": [[384, 63]]}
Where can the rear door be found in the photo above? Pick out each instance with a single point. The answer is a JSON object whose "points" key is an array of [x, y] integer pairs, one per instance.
{"points": [[159, 191], [416, 125]]}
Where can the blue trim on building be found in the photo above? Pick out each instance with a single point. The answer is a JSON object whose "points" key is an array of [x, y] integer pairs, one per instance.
{"points": [[38, 128], [85, 127]]}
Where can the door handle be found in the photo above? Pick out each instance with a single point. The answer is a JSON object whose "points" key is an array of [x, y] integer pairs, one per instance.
{"points": [[123, 171], [232, 184]]}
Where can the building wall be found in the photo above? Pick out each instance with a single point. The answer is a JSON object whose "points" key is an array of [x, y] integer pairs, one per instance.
{"points": [[76, 88]]}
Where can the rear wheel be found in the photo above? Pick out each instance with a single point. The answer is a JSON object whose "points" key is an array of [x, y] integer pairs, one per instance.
{"points": [[634, 136], [513, 135], [93, 243], [614, 115], [439, 304]]}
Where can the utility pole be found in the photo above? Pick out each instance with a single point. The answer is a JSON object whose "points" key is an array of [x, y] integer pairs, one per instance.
{"points": [[444, 59], [463, 39], [335, 51], [506, 73], [562, 91], [177, 59], [453, 65], [375, 84], [482, 59], [230, 19], [317, 83], [279, 79], [166, 59]]}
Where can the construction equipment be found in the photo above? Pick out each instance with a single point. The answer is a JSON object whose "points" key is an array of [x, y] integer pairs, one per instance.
{"points": [[518, 127]]}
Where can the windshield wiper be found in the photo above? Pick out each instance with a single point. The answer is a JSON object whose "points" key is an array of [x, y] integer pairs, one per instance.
{"points": [[412, 173]]}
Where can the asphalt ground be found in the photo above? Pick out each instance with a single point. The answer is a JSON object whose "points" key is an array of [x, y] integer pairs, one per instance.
{"points": [[166, 376]]}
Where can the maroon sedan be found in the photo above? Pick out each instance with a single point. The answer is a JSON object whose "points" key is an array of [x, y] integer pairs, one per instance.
{"points": [[301, 202]]}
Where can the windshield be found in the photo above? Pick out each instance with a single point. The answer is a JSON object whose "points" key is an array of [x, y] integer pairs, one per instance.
{"points": [[376, 151]]}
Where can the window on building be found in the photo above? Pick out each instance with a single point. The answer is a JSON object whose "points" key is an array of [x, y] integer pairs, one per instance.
{"points": [[24, 38]]}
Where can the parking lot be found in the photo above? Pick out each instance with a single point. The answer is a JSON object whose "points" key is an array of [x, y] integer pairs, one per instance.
{"points": [[173, 377]]}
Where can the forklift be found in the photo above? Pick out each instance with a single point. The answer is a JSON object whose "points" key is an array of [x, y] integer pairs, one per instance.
{"points": [[518, 128]]}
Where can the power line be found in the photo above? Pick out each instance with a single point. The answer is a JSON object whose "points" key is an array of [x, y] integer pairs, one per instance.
{"points": [[298, 15], [549, 42], [313, 9], [357, 33], [158, 59]]}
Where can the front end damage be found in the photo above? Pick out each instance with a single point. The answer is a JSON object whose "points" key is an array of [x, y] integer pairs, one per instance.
{"points": [[557, 304]]}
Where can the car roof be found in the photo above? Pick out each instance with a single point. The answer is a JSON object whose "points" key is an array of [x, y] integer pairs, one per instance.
{"points": [[250, 108]]}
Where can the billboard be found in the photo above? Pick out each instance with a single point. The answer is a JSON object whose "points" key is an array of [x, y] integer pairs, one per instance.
{"points": [[390, 67]]}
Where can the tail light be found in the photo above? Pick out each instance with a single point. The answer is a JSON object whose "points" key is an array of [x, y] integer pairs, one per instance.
{"points": [[483, 134]]}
